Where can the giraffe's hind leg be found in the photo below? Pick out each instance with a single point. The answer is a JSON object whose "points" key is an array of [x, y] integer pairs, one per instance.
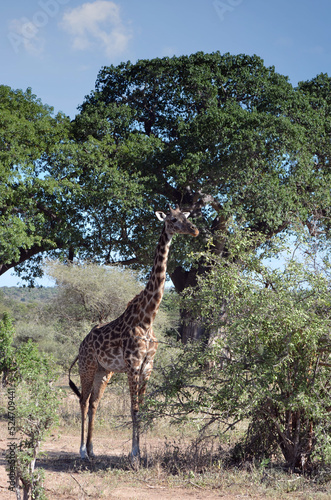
{"points": [[101, 379], [87, 374]]}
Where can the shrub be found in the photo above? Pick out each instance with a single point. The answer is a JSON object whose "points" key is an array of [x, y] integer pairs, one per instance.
{"points": [[34, 403], [6, 346], [270, 362]]}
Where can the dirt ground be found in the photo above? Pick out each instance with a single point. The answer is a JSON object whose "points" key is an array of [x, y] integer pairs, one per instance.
{"points": [[109, 477]]}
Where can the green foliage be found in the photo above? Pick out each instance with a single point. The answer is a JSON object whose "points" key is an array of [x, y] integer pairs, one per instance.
{"points": [[225, 137], [37, 403], [57, 319], [212, 114], [26, 295], [51, 187], [222, 135], [6, 346], [32, 409], [270, 362], [28, 131]]}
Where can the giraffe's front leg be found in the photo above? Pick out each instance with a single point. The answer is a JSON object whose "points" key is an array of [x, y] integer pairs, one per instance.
{"points": [[138, 379], [133, 377], [135, 452]]}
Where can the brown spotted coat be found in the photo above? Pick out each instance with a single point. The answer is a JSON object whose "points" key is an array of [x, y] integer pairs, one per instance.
{"points": [[128, 343]]}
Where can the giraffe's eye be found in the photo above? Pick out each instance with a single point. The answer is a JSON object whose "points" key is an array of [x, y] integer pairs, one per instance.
{"points": [[173, 219]]}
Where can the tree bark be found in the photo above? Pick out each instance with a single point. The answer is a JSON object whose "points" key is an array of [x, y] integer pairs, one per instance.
{"points": [[190, 328]]}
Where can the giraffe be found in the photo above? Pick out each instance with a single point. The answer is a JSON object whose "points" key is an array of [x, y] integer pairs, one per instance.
{"points": [[128, 343]]}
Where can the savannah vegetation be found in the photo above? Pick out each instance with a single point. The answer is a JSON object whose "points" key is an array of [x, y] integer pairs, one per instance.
{"points": [[210, 409], [32, 409], [247, 343]]}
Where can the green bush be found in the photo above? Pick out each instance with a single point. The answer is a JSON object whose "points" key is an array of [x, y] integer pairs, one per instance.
{"points": [[33, 403], [6, 346], [270, 360]]}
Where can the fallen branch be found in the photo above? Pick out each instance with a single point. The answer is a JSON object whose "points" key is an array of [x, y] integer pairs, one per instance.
{"points": [[81, 487]]}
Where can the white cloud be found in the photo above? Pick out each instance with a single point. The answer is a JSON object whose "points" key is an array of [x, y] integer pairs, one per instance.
{"points": [[97, 23]]}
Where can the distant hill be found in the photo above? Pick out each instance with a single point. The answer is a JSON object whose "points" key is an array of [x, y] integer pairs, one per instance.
{"points": [[19, 294]]}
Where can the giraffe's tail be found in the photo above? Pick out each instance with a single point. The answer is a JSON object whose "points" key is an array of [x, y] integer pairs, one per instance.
{"points": [[71, 383]]}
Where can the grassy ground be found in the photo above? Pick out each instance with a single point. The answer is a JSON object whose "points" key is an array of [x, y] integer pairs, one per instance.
{"points": [[173, 464]]}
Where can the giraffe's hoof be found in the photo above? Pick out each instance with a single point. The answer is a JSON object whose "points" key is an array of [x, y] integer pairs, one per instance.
{"points": [[83, 453]]}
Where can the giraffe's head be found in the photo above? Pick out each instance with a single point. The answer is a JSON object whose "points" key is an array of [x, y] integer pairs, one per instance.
{"points": [[176, 222]]}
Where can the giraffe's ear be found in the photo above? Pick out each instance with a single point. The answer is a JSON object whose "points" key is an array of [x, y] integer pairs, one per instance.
{"points": [[161, 216], [187, 214]]}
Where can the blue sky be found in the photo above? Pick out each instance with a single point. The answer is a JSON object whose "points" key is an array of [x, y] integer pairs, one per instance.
{"points": [[57, 47]]}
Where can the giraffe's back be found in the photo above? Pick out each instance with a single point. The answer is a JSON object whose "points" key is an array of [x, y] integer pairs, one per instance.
{"points": [[113, 343]]}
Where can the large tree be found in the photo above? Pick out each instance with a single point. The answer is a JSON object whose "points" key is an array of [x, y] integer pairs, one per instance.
{"points": [[52, 188], [223, 136], [31, 215]]}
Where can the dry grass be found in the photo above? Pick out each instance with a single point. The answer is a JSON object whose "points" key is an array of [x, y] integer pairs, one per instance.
{"points": [[173, 464], [172, 457]]}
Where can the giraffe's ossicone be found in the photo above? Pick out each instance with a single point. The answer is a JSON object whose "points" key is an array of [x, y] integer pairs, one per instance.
{"points": [[128, 343]]}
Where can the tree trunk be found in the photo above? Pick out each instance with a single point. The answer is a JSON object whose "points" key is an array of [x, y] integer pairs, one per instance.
{"points": [[190, 328], [297, 441]]}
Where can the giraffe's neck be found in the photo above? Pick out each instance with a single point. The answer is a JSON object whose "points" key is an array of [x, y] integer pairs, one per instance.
{"points": [[155, 286]]}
